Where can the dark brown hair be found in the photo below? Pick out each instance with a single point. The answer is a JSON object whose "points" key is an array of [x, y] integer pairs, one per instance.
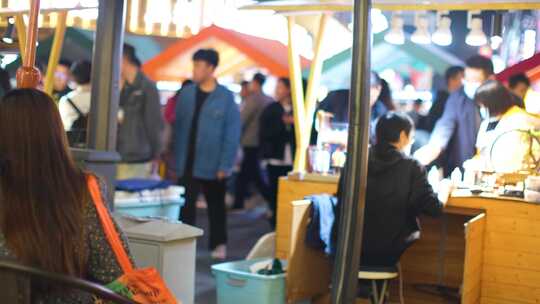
{"points": [[42, 192], [285, 81], [480, 62], [495, 97]]}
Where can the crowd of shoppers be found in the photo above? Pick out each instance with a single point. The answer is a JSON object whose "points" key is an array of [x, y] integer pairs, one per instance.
{"points": [[140, 121], [207, 134], [75, 105], [250, 169], [277, 141], [455, 132], [200, 132]]}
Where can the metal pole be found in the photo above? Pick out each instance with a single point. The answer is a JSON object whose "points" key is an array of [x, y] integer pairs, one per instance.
{"points": [[106, 75], [21, 35], [345, 279], [28, 76], [56, 51]]}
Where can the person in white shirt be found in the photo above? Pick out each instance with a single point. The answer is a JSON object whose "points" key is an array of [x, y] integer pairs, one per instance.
{"points": [[502, 143], [75, 106]]}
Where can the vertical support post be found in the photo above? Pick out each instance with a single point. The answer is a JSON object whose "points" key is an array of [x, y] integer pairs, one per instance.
{"points": [[21, 35], [346, 268], [297, 93], [27, 75], [314, 79], [56, 50], [30, 58], [106, 74]]}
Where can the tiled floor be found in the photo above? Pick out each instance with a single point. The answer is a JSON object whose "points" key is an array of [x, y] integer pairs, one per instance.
{"points": [[244, 229]]}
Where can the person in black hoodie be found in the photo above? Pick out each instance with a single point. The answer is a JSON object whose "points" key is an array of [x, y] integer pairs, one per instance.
{"points": [[277, 142], [397, 193]]}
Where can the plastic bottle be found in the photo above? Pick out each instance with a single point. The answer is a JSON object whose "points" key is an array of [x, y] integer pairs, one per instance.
{"points": [[434, 177], [456, 177]]}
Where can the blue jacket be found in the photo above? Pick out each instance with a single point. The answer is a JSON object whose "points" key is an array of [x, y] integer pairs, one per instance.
{"points": [[457, 129], [218, 134], [319, 230]]}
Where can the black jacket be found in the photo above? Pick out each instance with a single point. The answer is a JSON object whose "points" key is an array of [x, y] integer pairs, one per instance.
{"points": [[274, 134], [397, 193]]}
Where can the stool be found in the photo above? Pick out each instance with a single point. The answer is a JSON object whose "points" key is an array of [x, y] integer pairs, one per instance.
{"points": [[375, 274]]}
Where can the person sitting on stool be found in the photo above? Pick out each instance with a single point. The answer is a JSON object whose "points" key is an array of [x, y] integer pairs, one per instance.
{"points": [[397, 193]]}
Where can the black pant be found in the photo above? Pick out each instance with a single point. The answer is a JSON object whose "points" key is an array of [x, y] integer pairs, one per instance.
{"points": [[250, 171], [214, 193], [274, 173]]}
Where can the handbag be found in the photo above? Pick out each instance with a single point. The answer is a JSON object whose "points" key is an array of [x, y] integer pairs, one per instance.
{"points": [[77, 134], [144, 286]]}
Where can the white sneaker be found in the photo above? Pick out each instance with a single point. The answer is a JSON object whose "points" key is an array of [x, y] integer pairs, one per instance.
{"points": [[220, 253]]}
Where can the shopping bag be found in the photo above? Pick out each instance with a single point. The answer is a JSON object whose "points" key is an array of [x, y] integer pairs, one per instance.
{"points": [[144, 286]]}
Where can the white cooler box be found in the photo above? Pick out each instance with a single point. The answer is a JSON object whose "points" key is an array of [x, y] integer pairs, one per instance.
{"points": [[160, 203]]}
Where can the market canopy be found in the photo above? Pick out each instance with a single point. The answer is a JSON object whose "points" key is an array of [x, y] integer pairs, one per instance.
{"points": [[78, 43], [290, 6], [530, 67], [237, 52], [337, 69]]}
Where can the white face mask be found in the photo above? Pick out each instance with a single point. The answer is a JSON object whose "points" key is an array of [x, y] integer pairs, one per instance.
{"points": [[484, 112], [470, 88]]}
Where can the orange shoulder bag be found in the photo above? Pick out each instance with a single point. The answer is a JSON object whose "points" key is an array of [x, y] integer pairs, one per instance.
{"points": [[144, 286]]}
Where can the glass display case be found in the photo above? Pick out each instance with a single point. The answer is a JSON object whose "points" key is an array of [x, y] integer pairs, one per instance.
{"points": [[329, 155]]}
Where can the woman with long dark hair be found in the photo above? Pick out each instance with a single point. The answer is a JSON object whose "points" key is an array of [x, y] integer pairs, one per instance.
{"points": [[47, 217]]}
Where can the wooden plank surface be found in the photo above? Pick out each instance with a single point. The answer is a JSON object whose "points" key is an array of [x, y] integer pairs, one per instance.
{"points": [[292, 190], [302, 284], [510, 265], [474, 258]]}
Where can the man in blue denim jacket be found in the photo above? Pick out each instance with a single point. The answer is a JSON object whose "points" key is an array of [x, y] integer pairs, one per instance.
{"points": [[207, 138]]}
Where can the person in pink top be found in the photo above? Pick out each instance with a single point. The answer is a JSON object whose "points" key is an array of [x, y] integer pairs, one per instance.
{"points": [[169, 114]]}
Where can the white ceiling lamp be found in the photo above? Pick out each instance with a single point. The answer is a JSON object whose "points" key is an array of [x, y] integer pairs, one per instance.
{"points": [[443, 34], [422, 34], [476, 36], [497, 31], [378, 21], [395, 35]]}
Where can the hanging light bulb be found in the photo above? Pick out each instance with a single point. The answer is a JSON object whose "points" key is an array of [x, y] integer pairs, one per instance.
{"points": [[496, 31], [421, 35], [443, 34], [8, 34], [395, 35], [476, 36], [378, 21]]}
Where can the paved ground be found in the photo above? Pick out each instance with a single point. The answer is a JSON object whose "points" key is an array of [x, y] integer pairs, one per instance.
{"points": [[244, 229]]}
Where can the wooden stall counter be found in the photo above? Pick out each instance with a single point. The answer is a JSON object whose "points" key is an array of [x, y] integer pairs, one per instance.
{"points": [[294, 189], [486, 248]]}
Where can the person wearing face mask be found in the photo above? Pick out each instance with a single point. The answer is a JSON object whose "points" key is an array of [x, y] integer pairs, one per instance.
{"points": [[456, 131], [503, 116], [397, 193]]}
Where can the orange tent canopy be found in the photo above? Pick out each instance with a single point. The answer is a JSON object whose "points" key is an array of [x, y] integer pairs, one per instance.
{"points": [[236, 50]]}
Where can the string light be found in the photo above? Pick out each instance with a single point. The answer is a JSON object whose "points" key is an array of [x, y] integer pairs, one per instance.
{"points": [[395, 35], [422, 34], [476, 36], [443, 35]]}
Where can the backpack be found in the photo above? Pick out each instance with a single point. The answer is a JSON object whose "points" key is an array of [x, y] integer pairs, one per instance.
{"points": [[77, 134]]}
